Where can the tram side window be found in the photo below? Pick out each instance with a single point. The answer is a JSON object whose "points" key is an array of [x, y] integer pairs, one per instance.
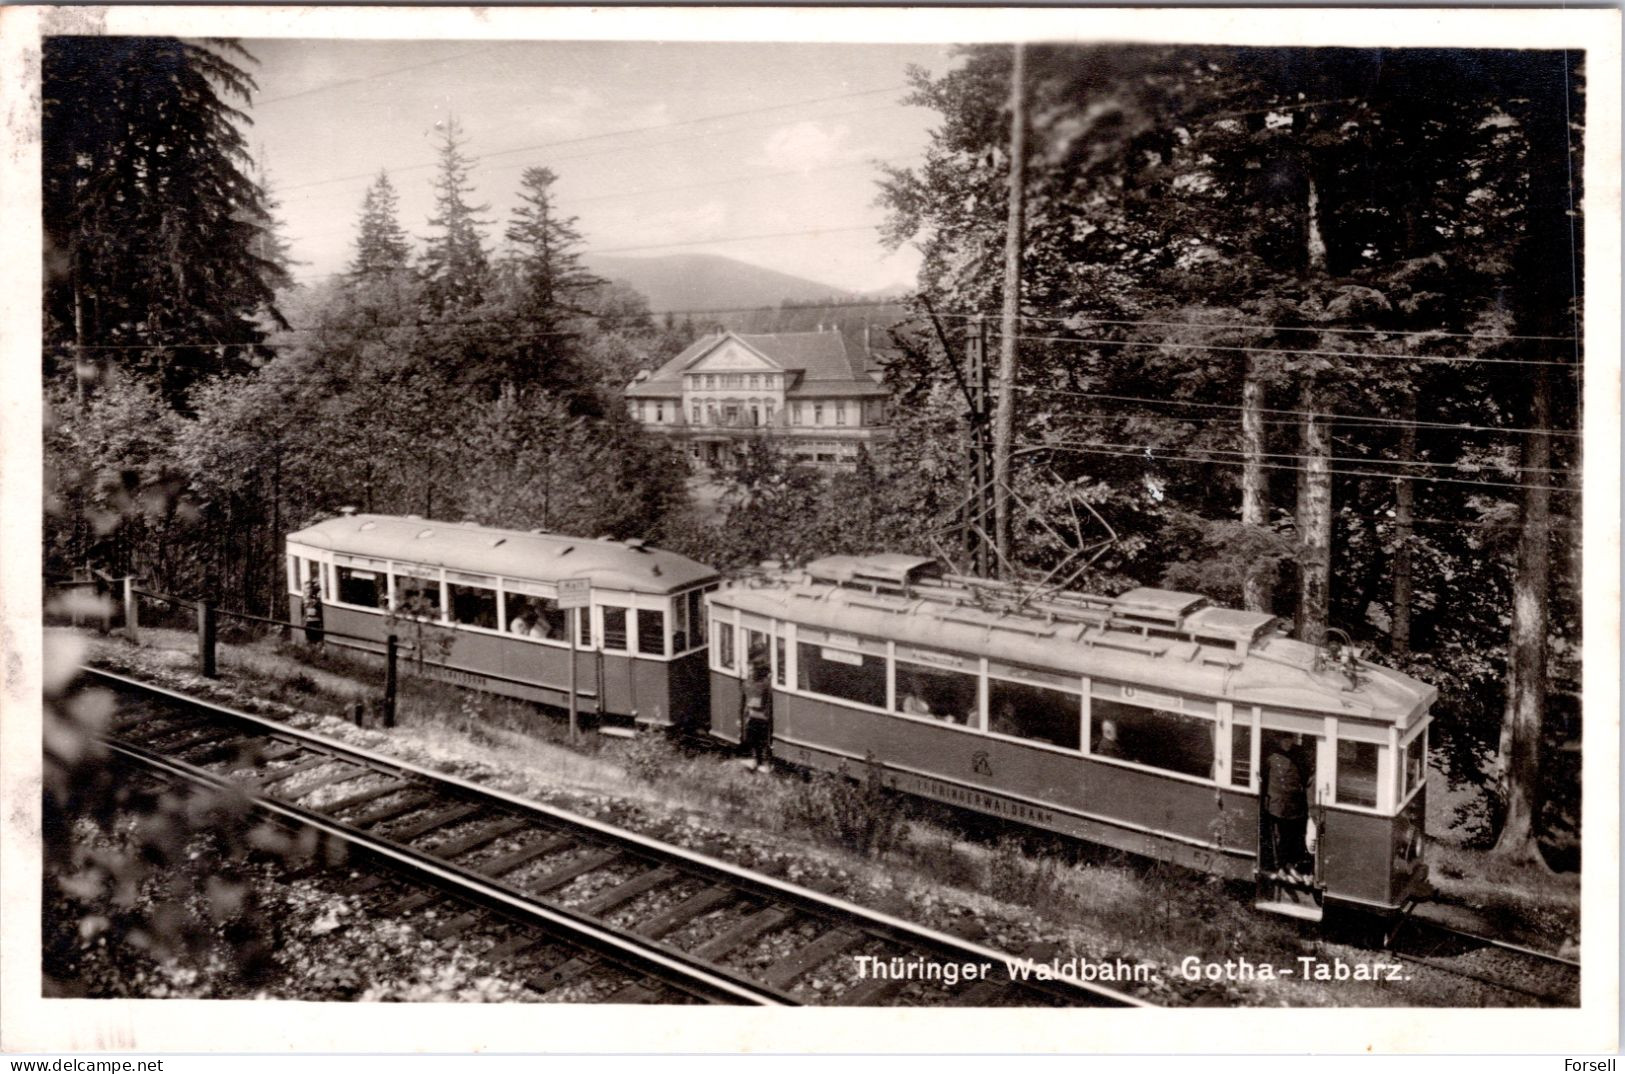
{"points": [[779, 654], [1053, 716], [535, 617], [417, 596], [1241, 754], [841, 674], [584, 627], [725, 645], [937, 693], [755, 649], [1415, 762], [1357, 773], [1156, 737], [651, 632], [615, 628], [473, 605], [365, 588]]}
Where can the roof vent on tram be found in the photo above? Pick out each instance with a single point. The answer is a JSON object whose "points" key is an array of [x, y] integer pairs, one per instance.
{"points": [[347, 511], [637, 544]]}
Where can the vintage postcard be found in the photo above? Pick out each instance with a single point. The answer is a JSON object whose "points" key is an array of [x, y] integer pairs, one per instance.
{"points": [[955, 530]]}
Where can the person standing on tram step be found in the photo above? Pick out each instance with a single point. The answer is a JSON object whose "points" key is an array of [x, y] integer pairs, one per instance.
{"points": [[757, 715], [1286, 808], [313, 611]]}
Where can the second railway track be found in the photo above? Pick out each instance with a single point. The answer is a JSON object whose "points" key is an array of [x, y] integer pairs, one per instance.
{"points": [[676, 925]]}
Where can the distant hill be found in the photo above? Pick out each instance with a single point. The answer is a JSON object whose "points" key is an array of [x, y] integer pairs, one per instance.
{"points": [[708, 281]]}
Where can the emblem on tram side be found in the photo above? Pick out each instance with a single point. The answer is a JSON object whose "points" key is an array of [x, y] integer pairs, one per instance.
{"points": [[980, 764]]}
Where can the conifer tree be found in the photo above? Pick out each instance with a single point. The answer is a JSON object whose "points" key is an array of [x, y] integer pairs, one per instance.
{"points": [[381, 245], [546, 252], [151, 211], [455, 266]]}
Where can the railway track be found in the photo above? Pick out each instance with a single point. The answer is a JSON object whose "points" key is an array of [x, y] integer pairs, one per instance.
{"points": [[565, 898], [1528, 975]]}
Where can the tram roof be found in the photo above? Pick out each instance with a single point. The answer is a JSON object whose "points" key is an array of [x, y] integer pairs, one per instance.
{"points": [[628, 566], [1219, 653]]}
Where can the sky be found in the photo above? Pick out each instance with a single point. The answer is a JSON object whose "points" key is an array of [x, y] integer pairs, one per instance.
{"points": [[659, 148]]}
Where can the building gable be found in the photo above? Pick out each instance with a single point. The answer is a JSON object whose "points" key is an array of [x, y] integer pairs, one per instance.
{"points": [[733, 356]]}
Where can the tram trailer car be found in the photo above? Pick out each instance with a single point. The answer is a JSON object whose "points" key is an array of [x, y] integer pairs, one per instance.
{"points": [[640, 643], [1139, 722]]}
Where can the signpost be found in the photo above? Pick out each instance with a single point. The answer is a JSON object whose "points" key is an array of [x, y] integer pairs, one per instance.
{"points": [[574, 593]]}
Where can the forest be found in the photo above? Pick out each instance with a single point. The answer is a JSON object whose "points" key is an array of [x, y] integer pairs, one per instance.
{"points": [[1297, 329]]}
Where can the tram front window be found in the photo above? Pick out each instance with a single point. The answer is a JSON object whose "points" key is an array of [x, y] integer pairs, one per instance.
{"points": [[1356, 773], [1158, 738]]}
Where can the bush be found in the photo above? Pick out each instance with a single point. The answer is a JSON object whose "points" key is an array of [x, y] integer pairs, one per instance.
{"points": [[859, 814]]}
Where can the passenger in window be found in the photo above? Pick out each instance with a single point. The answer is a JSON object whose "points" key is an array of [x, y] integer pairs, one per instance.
{"points": [[1108, 746], [520, 625], [915, 706], [1286, 808]]}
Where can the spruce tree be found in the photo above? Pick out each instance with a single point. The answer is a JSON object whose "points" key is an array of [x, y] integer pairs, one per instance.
{"points": [[455, 266], [151, 212], [546, 252], [381, 245]]}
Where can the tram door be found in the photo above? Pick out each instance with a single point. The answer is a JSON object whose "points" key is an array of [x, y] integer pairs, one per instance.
{"points": [[1288, 852]]}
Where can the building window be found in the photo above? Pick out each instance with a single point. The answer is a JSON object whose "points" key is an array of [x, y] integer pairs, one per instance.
{"points": [[660, 412], [710, 413], [767, 411], [637, 408], [818, 413], [696, 410], [840, 413], [795, 413], [710, 380], [754, 380]]}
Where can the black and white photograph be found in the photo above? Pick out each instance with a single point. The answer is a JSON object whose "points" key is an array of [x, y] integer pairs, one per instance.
{"points": [[1069, 517]]}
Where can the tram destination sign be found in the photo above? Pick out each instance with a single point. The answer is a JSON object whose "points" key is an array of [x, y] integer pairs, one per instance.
{"points": [[575, 592]]}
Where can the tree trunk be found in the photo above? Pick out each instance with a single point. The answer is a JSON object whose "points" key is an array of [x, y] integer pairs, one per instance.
{"points": [[1004, 422], [1314, 518], [1258, 588], [1404, 525], [1525, 708]]}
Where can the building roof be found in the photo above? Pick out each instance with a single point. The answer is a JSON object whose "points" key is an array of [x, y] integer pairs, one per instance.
{"points": [[628, 566], [822, 360]]}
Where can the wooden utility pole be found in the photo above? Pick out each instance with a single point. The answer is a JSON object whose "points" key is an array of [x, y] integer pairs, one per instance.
{"points": [[1256, 588], [1404, 529], [1005, 420]]}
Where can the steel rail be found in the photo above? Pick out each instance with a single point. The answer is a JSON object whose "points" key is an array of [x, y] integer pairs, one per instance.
{"points": [[644, 958], [1075, 992]]}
